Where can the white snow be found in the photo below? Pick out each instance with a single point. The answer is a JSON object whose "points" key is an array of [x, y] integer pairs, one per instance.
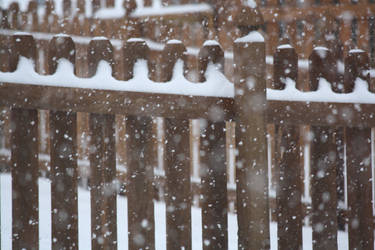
{"points": [[174, 41], [158, 10], [251, 3], [216, 84], [211, 43], [285, 46], [323, 94], [252, 37]]}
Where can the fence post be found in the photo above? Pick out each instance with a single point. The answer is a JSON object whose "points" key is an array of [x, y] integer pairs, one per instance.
{"points": [[289, 188], [140, 159], [102, 161], [251, 163], [213, 164], [177, 163], [359, 174], [64, 173], [24, 160]]}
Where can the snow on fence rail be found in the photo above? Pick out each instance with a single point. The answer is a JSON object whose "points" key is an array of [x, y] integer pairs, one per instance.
{"points": [[341, 180]]}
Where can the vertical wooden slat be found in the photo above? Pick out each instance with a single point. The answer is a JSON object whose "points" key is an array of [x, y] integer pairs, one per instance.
{"points": [[289, 189], [213, 164], [141, 159], [24, 158], [63, 136], [102, 161], [359, 173], [177, 163], [251, 163], [323, 167]]}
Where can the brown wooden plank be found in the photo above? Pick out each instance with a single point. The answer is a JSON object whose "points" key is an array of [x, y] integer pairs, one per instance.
{"points": [[289, 189], [177, 163], [360, 223], [141, 159], [64, 172], [177, 197], [323, 167], [251, 163], [214, 186], [102, 181], [24, 179], [323, 185], [102, 161], [213, 164], [93, 100], [359, 172], [64, 180]]}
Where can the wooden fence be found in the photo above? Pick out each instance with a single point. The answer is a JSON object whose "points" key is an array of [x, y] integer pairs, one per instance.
{"points": [[339, 135]]}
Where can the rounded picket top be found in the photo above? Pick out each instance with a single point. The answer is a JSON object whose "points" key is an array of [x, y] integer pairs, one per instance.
{"points": [[173, 51], [134, 49], [100, 48], [67, 8], [32, 9], [23, 44], [14, 12], [61, 46], [210, 52], [4, 19], [49, 6], [357, 65], [322, 65], [285, 64]]}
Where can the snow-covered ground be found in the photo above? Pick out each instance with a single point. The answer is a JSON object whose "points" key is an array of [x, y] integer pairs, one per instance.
{"points": [[84, 221]]}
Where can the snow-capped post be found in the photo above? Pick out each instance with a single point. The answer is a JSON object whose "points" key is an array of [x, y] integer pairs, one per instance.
{"points": [[177, 160], [140, 157], [358, 148], [24, 159], [251, 162], [102, 158], [213, 161], [288, 164], [63, 150], [323, 166]]}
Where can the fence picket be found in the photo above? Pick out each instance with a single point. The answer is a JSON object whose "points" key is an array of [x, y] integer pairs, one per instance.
{"points": [[141, 159], [102, 161], [213, 164], [251, 163], [63, 136], [359, 173], [24, 169], [323, 168], [289, 189], [177, 163]]}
